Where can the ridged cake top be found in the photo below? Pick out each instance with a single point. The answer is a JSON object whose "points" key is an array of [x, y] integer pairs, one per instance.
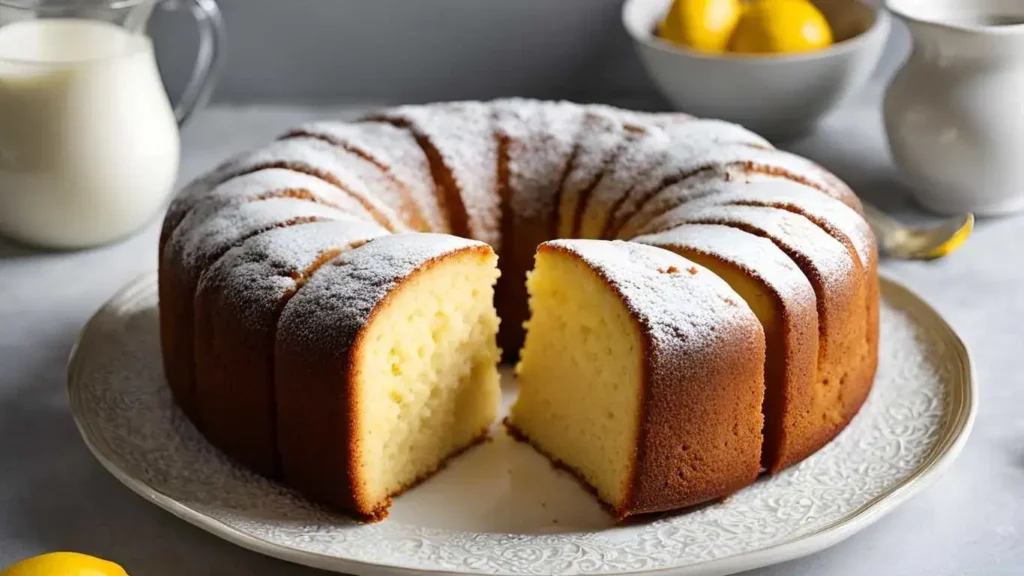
{"points": [[396, 156], [832, 215], [714, 132], [683, 305], [266, 184], [201, 239], [539, 140], [755, 255], [817, 252], [601, 138], [298, 155], [461, 134], [591, 169], [252, 279]]}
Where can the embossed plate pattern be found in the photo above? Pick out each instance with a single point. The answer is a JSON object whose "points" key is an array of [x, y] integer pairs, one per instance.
{"points": [[501, 509]]}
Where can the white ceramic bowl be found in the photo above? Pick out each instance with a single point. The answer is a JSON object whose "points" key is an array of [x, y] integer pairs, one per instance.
{"points": [[778, 95]]}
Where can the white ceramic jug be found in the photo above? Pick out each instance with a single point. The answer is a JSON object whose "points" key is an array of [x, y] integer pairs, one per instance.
{"points": [[89, 143], [954, 114]]}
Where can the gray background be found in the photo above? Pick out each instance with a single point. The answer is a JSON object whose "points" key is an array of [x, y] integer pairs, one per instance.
{"points": [[54, 495], [331, 51]]}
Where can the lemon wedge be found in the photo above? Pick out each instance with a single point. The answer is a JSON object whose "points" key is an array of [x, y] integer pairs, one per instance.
{"points": [[704, 25], [64, 564], [780, 27]]}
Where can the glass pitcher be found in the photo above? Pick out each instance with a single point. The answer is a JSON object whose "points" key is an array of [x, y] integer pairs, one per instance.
{"points": [[89, 143]]}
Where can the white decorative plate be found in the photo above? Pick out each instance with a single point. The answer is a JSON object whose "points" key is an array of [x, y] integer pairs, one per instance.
{"points": [[501, 508]]}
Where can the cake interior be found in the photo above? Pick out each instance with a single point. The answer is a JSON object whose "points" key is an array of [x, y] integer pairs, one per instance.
{"points": [[430, 386], [579, 375]]}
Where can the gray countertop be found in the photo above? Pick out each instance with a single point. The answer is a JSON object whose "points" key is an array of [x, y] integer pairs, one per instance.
{"points": [[54, 495]]}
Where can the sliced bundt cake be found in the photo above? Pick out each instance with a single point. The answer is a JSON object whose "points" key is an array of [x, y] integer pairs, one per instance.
{"points": [[319, 327]]}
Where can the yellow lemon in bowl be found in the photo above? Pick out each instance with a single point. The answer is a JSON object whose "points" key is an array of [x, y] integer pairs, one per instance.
{"points": [[704, 25], [64, 564], [780, 27]]}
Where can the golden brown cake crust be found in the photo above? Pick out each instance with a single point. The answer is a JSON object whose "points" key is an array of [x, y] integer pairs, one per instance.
{"points": [[196, 244], [791, 364], [237, 305]]}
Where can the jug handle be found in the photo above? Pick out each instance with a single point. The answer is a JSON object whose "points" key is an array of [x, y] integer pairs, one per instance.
{"points": [[212, 40]]}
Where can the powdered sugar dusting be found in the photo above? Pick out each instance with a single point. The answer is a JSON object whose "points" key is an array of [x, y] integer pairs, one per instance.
{"points": [[601, 137], [644, 155], [690, 142], [307, 155], [394, 150], [541, 137], [253, 278], [369, 182], [829, 261], [463, 136], [685, 307], [758, 256], [328, 312], [836, 217], [705, 167], [201, 238], [646, 220], [264, 183]]}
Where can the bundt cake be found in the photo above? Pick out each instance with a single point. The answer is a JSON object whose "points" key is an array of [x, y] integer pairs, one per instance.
{"points": [[687, 305]]}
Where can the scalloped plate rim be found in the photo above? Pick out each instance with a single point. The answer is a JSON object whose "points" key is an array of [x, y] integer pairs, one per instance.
{"points": [[947, 448]]}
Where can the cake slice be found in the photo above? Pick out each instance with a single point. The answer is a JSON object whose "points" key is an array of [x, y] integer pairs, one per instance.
{"points": [[385, 366], [642, 373], [784, 301], [237, 305]]}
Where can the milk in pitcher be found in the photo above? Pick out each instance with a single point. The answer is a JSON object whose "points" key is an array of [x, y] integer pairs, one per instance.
{"points": [[89, 144]]}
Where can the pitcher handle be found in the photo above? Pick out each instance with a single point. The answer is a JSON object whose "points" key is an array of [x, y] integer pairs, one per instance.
{"points": [[212, 39]]}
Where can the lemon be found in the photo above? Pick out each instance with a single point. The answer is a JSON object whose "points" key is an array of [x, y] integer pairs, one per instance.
{"points": [[64, 564], [704, 25], [780, 27]]}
